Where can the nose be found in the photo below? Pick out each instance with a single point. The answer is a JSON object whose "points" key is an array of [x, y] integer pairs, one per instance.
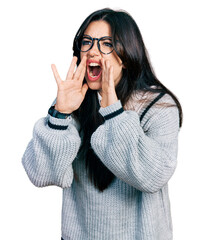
{"points": [[94, 50]]}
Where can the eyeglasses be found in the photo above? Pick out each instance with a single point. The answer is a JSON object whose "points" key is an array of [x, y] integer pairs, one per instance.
{"points": [[104, 44]]}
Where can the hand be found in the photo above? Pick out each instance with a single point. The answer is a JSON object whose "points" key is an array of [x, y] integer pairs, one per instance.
{"points": [[71, 92], [107, 92]]}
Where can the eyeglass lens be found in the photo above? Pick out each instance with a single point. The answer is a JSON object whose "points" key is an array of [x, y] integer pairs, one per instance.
{"points": [[105, 44]]}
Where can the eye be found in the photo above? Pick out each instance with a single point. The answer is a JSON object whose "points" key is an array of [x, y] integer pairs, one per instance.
{"points": [[107, 44], [86, 42]]}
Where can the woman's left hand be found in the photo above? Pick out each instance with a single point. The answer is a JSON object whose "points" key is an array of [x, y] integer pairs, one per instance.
{"points": [[107, 92]]}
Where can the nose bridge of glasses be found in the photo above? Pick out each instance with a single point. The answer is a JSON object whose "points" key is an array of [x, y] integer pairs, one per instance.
{"points": [[95, 45]]}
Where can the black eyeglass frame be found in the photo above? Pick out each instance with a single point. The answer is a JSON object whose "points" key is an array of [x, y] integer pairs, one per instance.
{"points": [[93, 39]]}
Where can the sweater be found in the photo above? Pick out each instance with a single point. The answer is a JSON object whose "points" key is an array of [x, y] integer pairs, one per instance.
{"points": [[142, 156]]}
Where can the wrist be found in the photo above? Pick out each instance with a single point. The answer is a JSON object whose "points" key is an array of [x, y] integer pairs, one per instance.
{"points": [[108, 102], [62, 111], [57, 114], [112, 110]]}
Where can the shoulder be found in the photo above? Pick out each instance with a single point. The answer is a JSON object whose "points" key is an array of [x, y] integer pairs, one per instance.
{"points": [[164, 110], [140, 100]]}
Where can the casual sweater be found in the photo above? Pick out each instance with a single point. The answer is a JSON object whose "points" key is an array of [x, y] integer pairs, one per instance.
{"points": [[142, 156]]}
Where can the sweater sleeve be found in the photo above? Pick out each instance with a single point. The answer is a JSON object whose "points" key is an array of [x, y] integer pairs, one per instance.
{"points": [[49, 155], [144, 157]]}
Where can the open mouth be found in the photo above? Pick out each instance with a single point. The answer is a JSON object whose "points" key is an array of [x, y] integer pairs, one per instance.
{"points": [[94, 71]]}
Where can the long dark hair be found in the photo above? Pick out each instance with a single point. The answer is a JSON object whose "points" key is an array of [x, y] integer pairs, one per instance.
{"points": [[137, 75]]}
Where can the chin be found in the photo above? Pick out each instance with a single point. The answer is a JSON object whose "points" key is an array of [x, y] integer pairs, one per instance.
{"points": [[94, 85]]}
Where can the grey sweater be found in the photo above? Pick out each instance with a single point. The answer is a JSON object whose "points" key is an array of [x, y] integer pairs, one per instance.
{"points": [[142, 156]]}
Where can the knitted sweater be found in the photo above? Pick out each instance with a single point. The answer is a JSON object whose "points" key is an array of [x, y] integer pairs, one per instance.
{"points": [[142, 156]]}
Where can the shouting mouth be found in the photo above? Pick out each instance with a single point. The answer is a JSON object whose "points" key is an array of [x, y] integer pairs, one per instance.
{"points": [[94, 70]]}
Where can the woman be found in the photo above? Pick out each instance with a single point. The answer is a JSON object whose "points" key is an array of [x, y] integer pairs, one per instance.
{"points": [[110, 137]]}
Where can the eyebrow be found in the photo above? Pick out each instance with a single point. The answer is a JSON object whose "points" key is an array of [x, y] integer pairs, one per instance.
{"points": [[86, 35]]}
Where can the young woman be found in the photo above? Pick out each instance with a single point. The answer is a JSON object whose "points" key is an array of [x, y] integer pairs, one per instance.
{"points": [[110, 137]]}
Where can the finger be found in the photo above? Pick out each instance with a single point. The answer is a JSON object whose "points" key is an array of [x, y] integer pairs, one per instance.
{"points": [[82, 75], [103, 63], [107, 64], [107, 70], [55, 73], [71, 68], [111, 79], [80, 72], [103, 68]]}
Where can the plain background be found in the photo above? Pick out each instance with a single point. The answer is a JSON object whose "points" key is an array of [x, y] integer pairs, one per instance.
{"points": [[35, 34]]}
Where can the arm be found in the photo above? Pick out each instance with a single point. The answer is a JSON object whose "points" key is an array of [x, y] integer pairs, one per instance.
{"points": [[145, 160], [49, 155], [55, 143]]}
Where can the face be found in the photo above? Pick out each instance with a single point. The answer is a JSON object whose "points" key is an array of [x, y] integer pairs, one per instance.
{"points": [[98, 29]]}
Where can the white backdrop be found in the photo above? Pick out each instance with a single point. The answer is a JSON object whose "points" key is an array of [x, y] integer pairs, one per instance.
{"points": [[35, 34]]}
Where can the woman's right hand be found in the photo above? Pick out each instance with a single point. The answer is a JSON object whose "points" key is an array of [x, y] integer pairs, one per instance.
{"points": [[71, 92]]}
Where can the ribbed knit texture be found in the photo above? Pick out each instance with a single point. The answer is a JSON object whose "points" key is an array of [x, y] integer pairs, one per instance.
{"points": [[141, 155]]}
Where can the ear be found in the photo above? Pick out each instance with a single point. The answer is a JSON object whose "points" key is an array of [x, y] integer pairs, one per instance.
{"points": [[121, 63]]}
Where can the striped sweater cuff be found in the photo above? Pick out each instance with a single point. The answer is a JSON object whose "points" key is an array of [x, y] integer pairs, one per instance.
{"points": [[112, 110], [58, 124]]}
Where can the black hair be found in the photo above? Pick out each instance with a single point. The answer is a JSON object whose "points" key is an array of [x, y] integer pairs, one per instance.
{"points": [[137, 75]]}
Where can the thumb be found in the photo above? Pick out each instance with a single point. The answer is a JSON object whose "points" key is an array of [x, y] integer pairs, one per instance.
{"points": [[84, 89]]}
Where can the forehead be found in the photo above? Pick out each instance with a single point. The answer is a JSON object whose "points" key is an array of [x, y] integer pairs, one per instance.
{"points": [[97, 29]]}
